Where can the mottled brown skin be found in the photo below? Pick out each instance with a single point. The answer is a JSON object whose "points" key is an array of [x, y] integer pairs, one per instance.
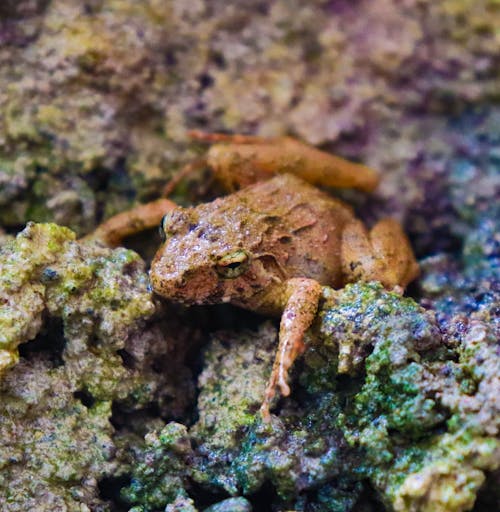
{"points": [[286, 227], [283, 239], [271, 246]]}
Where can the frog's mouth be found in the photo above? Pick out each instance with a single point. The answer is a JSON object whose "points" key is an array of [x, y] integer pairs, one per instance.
{"points": [[200, 287]]}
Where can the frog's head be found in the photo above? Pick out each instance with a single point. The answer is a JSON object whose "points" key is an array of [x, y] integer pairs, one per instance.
{"points": [[206, 258]]}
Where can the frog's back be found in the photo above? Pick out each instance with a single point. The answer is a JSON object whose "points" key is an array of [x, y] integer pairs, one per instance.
{"points": [[284, 192], [301, 227]]}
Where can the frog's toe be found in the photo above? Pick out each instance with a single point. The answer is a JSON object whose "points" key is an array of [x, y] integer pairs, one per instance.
{"points": [[264, 412], [283, 385]]}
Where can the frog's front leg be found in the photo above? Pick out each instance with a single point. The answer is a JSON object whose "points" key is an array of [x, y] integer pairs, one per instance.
{"points": [[135, 220], [383, 254], [240, 160], [302, 296]]}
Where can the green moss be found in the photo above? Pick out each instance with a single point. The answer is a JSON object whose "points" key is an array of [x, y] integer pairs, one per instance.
{"points": [[232, 386], [160, 478], [21, 261], [364, 318], [411, 384], [401, 418], [338, 497], [73, 144], [44, 269], [448, 474], [86, 306]]}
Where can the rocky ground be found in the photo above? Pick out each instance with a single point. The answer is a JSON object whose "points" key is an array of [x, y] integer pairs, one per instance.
{"points": [[115, 400]]}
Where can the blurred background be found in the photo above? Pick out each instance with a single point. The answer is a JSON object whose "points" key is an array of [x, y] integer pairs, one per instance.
{"points": [[96, 98]]}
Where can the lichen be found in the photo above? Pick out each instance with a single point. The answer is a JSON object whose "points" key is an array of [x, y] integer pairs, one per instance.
{"points": [[392, 419], [54, 449], [96, 292], [85, 308], [391, 392], [159, 479]]}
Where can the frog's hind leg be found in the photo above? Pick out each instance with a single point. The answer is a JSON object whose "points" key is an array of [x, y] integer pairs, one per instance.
{"points": [[301, 307], [144, 216], [238, 178], [239, 160], [383, 254]]}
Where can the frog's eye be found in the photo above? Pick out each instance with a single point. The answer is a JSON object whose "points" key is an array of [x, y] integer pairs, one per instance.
{"points": [[163, 228], [233, 264]]}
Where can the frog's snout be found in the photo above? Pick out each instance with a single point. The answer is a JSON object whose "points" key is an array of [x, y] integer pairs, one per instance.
{"points": [[187, 287]]}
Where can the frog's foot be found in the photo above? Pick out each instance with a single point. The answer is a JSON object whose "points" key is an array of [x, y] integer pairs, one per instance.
{"points": [[240, 160], [303, 297], [384, 254], [133, 221]]}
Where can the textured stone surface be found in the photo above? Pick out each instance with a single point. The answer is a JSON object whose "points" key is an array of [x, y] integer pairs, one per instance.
{"points": [[96, 98]]}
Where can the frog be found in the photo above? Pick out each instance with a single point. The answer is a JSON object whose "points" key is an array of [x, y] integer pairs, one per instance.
{"points": [[273, 243]]}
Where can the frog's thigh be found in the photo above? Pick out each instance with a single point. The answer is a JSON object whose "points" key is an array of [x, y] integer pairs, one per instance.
{"points": [[241, 160], [300, 310], [384, 254], [322, 168]]}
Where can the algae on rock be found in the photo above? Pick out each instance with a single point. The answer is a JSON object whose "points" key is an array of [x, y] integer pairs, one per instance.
{"points": [[96, 100], [393, 417], [57, 439]]}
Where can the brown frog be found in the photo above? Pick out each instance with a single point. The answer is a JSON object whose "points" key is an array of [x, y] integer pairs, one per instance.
{"points": [[272, 245]]}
